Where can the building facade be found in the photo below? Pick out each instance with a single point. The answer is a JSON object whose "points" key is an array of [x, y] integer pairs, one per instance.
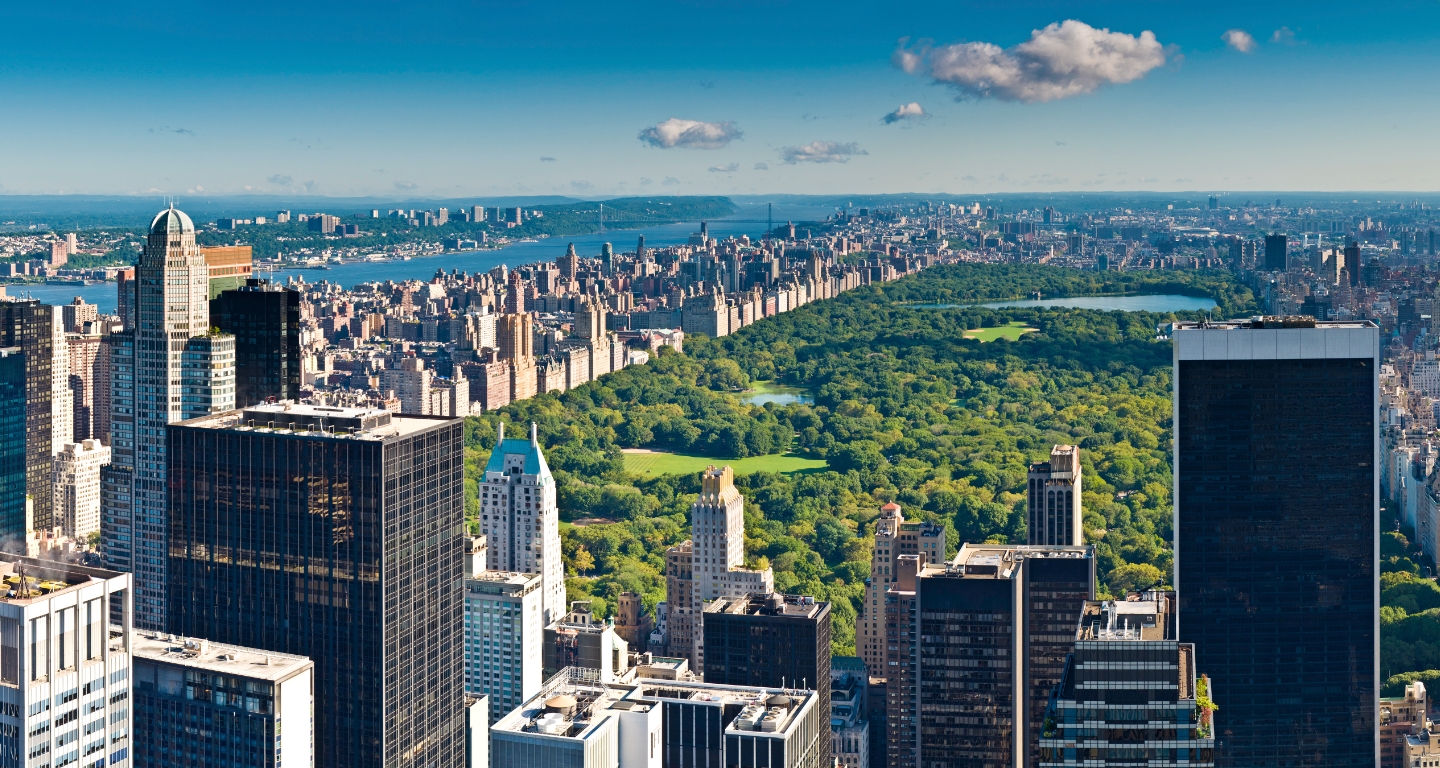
{"points": [[504, 630], [1276, 538], [13, 467], [372, 504], [265, 321], [1053, 499], [77, 487], [894, 536], [242, 696], [520, 519], [580, 639], [27, 324]]}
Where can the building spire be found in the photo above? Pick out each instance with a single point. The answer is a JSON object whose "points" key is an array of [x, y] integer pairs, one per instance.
{"points": [[534, 435], [500, 434]]}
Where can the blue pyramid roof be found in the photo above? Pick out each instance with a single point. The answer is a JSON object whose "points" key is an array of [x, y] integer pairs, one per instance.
{"points": [[534, 458]]}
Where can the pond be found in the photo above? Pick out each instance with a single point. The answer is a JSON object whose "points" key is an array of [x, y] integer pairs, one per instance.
{"points": [[1166, 302], [762, 392]]}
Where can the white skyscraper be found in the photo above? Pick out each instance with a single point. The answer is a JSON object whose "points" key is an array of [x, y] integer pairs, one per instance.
{"points": [[172, 309], [716, 566], [520, 520], [62, 398]]}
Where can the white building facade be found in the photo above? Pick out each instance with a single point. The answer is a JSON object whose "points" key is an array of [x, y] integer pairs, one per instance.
{"points": [[520, 519], [77, 487], [503, 638]]}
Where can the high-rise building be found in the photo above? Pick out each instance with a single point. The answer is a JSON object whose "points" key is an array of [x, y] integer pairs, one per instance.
{"points": [[569, 264], [77, 487], [477, 213], [229, 267], [207, 375], [27, 324], [323, 223], [504, 630], [516, 336], [171, 309], [849, 727], [520, 519], [717, 568], [373, 505], [1275, 253], [12, 444], [1276, 535], [410, 380], [242, 696], [65, 673], [89, 351], [265, 320], [578, 721], [894, 536], [514, 215], [970, 704], [62, 400], [1158, 712], [772, 641], [632, 623], [77, 313], [125, 296], [1053, 499]]}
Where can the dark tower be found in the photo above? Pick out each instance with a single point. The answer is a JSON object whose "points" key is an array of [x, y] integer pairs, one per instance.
{"points": [[1276, 535], [27, 324], [1275, 253], [265, 320]]}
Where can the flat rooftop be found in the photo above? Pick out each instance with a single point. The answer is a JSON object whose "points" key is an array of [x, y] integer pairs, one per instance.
{"points": [[23, 579], [203, 655], [574, 700], [287, 418], [775, 604], [1269, 322], [1001, 561]]}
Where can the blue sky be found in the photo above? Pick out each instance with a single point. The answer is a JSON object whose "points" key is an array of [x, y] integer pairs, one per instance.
{"points": [[460, 98]]}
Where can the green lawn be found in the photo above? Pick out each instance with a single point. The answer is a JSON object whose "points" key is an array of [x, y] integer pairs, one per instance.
{"points": [[1011, 332], [655, 464]]}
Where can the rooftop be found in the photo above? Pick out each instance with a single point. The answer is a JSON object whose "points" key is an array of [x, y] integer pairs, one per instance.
{"points": [[204, 655], [1138, 618], [1001, 561], [574, 701], [529, 448], [772, 604], [1268, 322], [23, 579], [289, 418]]}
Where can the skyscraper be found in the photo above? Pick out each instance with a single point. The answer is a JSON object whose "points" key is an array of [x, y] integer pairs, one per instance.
{"points": [[171, 308], [717, 569], [27, 324], [1053, 499], [366, 511], [520, 520], [1276, 533], [504, 630], [1275, 253], [972, 704], [894, 536], [265, 320], [62, 400], [12, 443]]}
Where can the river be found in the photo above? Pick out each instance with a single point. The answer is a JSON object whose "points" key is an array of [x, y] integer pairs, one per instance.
{"points": [[513, 255]]}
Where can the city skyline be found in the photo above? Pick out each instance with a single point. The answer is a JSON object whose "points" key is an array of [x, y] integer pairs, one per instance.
{"points": [[494, 100]]}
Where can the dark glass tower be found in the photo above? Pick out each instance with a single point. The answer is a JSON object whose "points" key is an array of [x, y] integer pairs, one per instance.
{"points": [[26, 324], [1275, 253], [336, 534], [12, 443], [265, 320], [1277, 539]]}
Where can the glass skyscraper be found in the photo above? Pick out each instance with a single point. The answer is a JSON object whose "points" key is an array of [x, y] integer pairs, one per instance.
{"points": [[1276, 533], [337, 534]]}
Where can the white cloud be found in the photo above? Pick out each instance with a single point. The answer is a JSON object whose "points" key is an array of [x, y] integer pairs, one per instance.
{"points": [[281, 180], [1239, 39], [1065, 59], [581, 185], [547, 159], [731, 168], [405, 186], [821, 152], [762, 167], [911, 111], [1283, 35], [690, 134], [670, 181]]}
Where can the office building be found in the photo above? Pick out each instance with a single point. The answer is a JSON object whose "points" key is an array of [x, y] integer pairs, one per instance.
{"points": [[520, 519], [207, 375], [1053, 499], [323, 223], [62, 400], [228, 267], [769, 640], [504, 632], [27, 324], [157, 377], [373, 503], [1275, 253], [1276, 534], [12, 445], [1159, 712], [951, 698], [265, 321], [579, 639], [632, 623], [238, 697], [894, 536], [77, 487], [710, 565], [580, 722], [64, 664]]}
